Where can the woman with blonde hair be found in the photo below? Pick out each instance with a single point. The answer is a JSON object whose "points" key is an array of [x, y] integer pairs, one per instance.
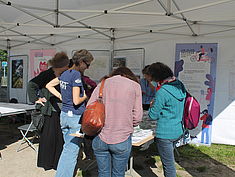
{"points": [[73, 105]]}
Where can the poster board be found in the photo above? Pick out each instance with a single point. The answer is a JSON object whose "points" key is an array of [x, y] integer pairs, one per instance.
{"points": [[195, 66], [103, 64], [100, 66], [133, 58], [18, 77], [39, 59]]}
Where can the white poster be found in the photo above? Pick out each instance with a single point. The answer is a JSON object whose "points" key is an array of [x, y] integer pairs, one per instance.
{"points": [[195, 66], [18, 78]]}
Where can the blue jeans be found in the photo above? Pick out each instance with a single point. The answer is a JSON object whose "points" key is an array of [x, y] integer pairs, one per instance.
{"points": [[205, 131], [166, 152], [112, 159], [68, 158]]}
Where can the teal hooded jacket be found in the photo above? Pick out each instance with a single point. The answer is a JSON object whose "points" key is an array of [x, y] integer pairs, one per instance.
{"points": [[167, 110]]}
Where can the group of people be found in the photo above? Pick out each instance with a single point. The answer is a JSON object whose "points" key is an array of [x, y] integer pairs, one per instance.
{"points": [[62, 93]]}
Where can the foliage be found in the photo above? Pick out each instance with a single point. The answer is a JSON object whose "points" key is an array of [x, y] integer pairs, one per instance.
{"points": [[3, 55]]}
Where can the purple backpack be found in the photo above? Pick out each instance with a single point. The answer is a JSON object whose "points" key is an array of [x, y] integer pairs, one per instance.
{"points": [[191, 112]]}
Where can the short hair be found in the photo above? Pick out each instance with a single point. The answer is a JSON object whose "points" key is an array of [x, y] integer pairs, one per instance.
{"points": [[145, 70], [60, 60], [124, 71], [82, 55], [159, 71]]}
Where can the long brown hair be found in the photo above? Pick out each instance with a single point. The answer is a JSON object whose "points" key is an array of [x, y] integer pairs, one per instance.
{"points": [[125, 72]]}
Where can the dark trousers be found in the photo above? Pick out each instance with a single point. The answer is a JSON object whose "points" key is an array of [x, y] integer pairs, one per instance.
{"points": [[146, 107]]}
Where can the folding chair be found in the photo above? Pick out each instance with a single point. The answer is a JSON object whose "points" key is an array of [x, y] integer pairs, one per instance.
{"points": [[24, 130]]}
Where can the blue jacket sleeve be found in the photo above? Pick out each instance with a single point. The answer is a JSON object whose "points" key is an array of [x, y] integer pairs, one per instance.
{"points": [[143, 85], [159, 102]]}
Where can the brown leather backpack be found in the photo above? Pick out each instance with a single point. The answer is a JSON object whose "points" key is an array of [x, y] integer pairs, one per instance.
{"points": [[94, 115]]}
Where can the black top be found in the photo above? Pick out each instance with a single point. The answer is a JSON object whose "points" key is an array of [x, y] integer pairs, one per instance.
{"points": [[37, 88]]}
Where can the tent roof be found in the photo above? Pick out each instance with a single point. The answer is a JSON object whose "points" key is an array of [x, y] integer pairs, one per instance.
{"points": [[52, 22]]}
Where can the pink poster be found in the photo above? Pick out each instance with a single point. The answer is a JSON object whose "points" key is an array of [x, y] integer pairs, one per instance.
{"points": [[39, 59]]}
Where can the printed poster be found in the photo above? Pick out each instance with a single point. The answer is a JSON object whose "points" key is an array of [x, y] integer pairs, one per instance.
{"points": [[195, 66], [39, 59], [17, 73], [119, 62]]}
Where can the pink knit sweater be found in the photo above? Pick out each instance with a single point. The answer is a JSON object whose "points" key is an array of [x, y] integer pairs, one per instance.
{"points": [[123, 108]]}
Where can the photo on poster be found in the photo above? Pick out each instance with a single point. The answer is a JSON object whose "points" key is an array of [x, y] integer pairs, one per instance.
{"points": [[119, 62], [39, 60], [17, 73]]}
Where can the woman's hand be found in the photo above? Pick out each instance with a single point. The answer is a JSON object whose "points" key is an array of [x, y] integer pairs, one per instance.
{"points": [[84, 95], [41, 101]]}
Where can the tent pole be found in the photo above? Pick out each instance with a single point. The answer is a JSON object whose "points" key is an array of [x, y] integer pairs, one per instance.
{"points": [[57, 14], [135, 13], [168, 9], [78, 20], [19, 24], [221, 31], [96, 15], [115, 12], [36, 8], [27, 12], [95, 27], [21, 34], [33, 19], [112, 48], [185, 19], [89, 27], [201, 7], [163, 6], [8, 70], [31, 41]]}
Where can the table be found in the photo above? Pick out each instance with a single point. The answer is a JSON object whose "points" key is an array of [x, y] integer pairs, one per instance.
{"points": [[147, 140], [7, 109]]}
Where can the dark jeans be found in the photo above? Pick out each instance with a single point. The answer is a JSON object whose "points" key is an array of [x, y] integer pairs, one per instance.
{"points": [[146, 107], [166, 152], [88, 147]]}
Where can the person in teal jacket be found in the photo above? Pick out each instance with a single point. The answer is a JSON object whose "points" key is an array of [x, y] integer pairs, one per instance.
{"points": [[167, 109]]}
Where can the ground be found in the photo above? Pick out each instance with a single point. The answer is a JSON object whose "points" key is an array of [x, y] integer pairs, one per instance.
{"points": [[146, 163]]}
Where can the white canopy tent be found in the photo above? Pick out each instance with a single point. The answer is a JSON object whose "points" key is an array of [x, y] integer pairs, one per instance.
{"points": [[153, 25], [55, 22]]}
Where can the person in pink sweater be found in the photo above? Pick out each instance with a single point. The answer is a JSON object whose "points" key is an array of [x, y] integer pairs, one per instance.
{"points": [[123, 110]]}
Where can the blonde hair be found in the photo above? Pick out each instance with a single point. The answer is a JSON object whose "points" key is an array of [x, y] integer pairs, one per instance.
{"points": [[82, 55]]}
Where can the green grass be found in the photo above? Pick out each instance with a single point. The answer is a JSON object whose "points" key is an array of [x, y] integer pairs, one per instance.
{"points": [[222, 153]]}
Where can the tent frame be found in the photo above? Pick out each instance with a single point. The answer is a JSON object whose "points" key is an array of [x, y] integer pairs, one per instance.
{"points": [[167, 7]]}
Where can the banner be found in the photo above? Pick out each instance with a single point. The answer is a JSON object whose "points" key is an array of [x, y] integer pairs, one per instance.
{"points": [[195, 66], [39, 59]]}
